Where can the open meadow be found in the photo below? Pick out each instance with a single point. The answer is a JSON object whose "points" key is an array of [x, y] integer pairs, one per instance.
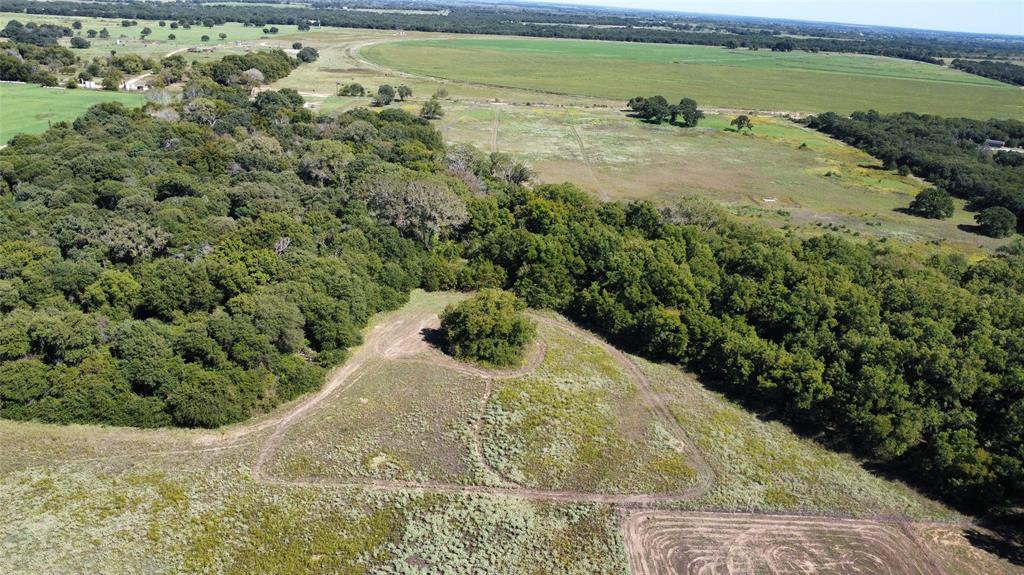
{"points": [[31, 109], [797, 82]]}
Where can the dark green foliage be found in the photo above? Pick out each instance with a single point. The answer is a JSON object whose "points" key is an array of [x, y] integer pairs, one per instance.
{"points": [[354, 89], [742, 121], [947, 152], [489, 327], [156, 273], [1002, 71], [902, 360], [997, 222], [308, 54], [932, 203]]}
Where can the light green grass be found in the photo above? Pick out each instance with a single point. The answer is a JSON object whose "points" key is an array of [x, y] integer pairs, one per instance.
{"points": [[32, 109], [764, 80], [579, 423], [766, 175]]}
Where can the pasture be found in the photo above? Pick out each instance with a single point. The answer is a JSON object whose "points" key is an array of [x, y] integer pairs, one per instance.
{"points": [[797, 82], [27, 108]]}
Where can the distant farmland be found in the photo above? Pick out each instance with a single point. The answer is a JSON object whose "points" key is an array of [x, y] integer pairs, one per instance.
{"points": [[30, 109], [741, 78]]}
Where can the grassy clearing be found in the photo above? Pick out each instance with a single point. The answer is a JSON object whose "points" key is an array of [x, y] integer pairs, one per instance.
{"points": [[781, 174], [764, 80], [401, 420], [26, 108], [181, 516], [762, 465], [579, 423]]}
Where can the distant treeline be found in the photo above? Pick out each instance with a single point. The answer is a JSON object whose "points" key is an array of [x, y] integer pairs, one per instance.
{"points": [[549, 23], [1002, 71], [944, 151]]}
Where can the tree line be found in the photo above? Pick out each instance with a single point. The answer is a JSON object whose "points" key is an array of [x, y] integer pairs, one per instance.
{"points": [[656, 109], [948, 152], [1002, 71], [545, 23]]}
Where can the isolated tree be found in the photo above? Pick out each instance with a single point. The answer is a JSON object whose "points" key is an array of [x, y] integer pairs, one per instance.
{"points": [[353, 89], [79, 42], [205, 38], [308, 54], [404, 92], [172, 37], [104, 33], [146, 32], [742, 121], [222, 36], [385, 95], [296, 45], [489, 328], [996, 222], [431, 109], [687, 108], [91, 33], [932, 203], [162, 23]]}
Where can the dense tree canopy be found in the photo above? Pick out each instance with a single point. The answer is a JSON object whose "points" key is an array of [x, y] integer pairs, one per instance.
{"points": [[195, 272]]}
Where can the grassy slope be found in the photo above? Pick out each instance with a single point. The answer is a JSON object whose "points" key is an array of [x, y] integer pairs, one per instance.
{"points": [[798, 81], [30, 109]]}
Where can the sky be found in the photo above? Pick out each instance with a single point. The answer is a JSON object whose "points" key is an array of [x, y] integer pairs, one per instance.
{"points": [[987, 16]]}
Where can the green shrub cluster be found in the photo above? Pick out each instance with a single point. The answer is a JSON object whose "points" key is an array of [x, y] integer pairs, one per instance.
{"points": [[489, 328]]}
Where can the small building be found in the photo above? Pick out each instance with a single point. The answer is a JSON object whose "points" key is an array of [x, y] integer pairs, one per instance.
{"points": [[995, 144]]}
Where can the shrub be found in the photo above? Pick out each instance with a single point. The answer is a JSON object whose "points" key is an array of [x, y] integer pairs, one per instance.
{"points": [[997, 222], [932, 203], [489, 328]]}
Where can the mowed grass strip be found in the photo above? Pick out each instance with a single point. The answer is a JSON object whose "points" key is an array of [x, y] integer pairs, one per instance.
{"points": [[745, 79], [27, 108]]}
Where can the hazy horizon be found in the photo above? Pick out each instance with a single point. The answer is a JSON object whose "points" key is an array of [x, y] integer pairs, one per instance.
{"points": [[985, 17]]}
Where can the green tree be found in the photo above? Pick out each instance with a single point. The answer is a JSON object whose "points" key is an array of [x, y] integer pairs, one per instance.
{"points": [[687, 108], [489, 327], [932, 203], [385, 95], [113, 80], [431, 109], [404, 92], [742, 121], [997, 222]]}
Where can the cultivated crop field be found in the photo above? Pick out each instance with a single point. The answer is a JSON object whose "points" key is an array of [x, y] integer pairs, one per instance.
{"points": [[27, 108], [320, 487], [744, 79]]}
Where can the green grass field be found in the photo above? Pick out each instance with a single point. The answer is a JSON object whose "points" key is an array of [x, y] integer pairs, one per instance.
{"points": [[744, 79], [31, 109]]}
